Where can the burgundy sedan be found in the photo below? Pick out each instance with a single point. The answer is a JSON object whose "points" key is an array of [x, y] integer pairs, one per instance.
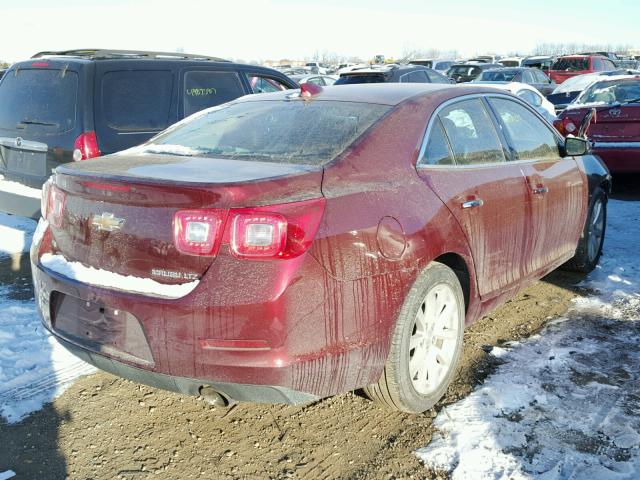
{"points": [[615, 128], [291, 246]]}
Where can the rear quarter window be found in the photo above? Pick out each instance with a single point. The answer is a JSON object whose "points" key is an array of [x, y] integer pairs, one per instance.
{"points": [[204, 89], [39, 99], [137, 100]]}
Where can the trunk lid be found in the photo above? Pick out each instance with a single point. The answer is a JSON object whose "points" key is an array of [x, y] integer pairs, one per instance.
{"points": [[618, 124], [118, 211]]}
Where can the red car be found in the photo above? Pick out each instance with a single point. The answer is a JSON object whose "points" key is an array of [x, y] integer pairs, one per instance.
{"points": [[291, 246], [615, 128], [572, 65]]}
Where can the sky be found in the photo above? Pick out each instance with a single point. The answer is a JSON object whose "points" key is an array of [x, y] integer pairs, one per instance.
{"points": [[275, 29]]}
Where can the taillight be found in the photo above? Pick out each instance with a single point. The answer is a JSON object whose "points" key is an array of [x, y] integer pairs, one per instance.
{"points": [[275, 231], [86, 146], [55, 207], [44, 198], [565, 126], [198, 232], [258, 235]]}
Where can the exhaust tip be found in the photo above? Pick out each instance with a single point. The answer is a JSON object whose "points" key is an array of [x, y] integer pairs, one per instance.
{"points": [[212, 397]]}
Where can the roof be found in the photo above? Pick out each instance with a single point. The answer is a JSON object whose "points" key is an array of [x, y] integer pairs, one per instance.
{"points": [[102, 54], [379, 93]]}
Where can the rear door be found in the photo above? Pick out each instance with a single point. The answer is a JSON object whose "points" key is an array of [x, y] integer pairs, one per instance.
{"points": [[463, 160], [556, 188], [40, 118], [132, 105]]}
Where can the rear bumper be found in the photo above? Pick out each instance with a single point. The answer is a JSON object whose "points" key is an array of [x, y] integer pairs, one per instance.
{"points": [[18, 203], [190, 386], [619, 157]]}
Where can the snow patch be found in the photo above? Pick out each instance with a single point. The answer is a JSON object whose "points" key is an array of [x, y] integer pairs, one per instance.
{"points": [[564, 404], [103, 278], [10, 186], [15, 234], [7, 475]]}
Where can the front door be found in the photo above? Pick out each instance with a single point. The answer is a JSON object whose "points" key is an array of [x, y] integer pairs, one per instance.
{"points": [[556, 187], [464, 162]]}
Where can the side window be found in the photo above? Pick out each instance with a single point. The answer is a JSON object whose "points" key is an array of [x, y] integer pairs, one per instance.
{"points": [[527, 77], [137, 100], [435, 77], [530, 137], [264, 84], [609, 65], [541, 77], [204, 89], [437, 151], [597, 64], [530, 97], [316, 80], [419, 76], [471, 133]]}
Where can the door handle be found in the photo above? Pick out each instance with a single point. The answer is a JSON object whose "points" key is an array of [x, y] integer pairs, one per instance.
{"points": [[540, 190], [473, 203]]}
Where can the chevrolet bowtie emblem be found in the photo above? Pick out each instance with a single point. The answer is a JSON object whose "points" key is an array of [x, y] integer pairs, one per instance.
{"points": [[107, 222]]}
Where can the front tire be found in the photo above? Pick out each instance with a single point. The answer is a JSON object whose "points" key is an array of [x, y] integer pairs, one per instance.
{"points": [[426, 343], [589, 247]]}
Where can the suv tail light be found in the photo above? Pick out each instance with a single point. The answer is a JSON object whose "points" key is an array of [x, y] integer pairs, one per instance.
{"points": [[86, 146], [53, 207], [268, 232]]}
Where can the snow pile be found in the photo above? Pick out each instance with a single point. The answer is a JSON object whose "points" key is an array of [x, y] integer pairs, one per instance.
{"points": [[19, 189], [15, 234], [103, 278], [7, 475], [34, 368], [565, 403]]}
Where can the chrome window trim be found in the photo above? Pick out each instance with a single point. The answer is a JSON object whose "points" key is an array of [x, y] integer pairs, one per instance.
{"points": [[503, 96]]}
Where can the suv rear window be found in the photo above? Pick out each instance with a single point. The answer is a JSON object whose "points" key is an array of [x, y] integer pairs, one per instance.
{"points": [[137, 100], [350, 79], [204, 89], [498, 76], [295, 132], [43, 99], [571, 64]]}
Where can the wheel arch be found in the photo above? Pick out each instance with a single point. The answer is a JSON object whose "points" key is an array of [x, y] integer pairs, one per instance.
{"points": [[459, 266]]}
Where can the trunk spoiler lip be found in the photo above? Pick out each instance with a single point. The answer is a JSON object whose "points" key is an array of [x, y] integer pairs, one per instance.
{"points": [[63, 170]]}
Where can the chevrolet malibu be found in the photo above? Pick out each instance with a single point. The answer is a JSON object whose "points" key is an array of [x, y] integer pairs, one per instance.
{"points": [[295, 245]]}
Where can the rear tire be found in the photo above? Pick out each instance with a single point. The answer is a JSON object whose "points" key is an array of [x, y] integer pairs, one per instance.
{"points": [[589, 247], [425, 345]]}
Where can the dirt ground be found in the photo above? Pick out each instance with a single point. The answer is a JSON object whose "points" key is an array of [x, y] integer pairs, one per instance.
{"points": [[106, 428]]}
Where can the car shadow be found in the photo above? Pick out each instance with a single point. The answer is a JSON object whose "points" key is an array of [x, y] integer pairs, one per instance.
{"points": [[29, 445]]}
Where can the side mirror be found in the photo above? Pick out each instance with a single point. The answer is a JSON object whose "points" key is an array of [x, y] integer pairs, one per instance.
{"points": [[575, 146]]}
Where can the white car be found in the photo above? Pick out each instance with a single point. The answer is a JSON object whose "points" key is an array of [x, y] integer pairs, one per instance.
{"points": [[527, 93]]}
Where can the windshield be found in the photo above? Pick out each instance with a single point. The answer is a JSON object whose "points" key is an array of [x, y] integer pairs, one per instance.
{"points": [[287, 131], [609, 92], [39, 99], [576, 64], [498, 76]]}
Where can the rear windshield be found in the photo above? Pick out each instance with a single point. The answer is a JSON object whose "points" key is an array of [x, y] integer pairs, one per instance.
{"points": [[571, 64], [608, 92], [39, 99], [498, 76], [350, 79], [294, 132], [463, 70]]}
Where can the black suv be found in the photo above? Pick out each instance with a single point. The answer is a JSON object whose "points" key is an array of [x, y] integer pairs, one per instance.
{"points": [[64, 106], [467, 72], [392, 73]]}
